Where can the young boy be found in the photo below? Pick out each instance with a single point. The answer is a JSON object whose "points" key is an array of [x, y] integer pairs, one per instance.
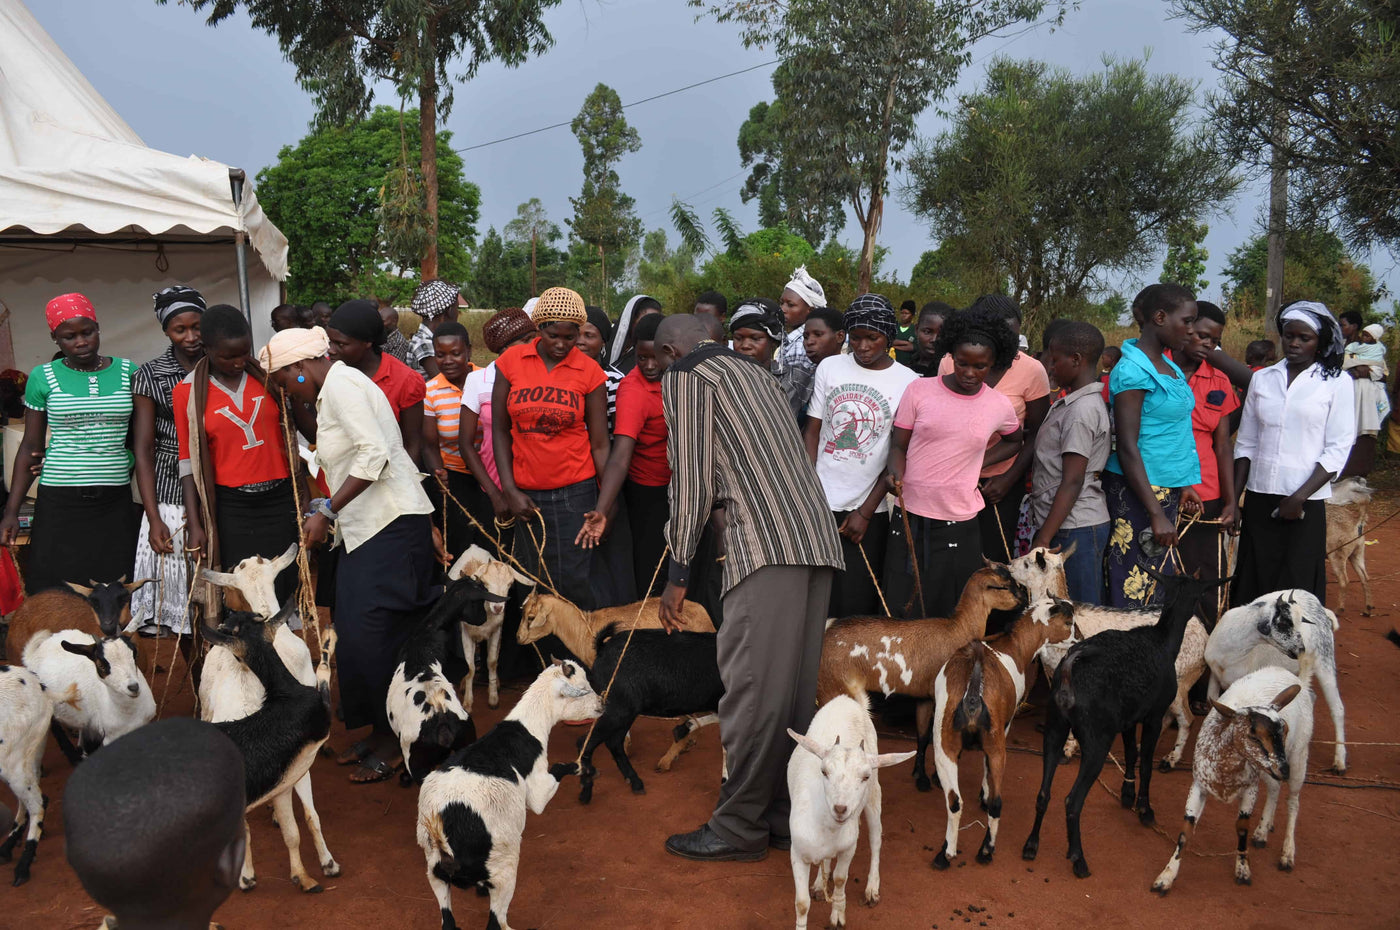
{"points": [[904, 346], [1261, 353], [153, 825], [824, 335], [1071, 448], [850, 419]]}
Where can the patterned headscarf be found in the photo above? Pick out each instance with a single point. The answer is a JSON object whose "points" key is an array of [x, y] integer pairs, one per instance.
{"points": [[808, 288], [559, 305], [758, 313], [434, 298], [505, 327], [1319, 319], [175, 300], [871, 311], [67, 307]]}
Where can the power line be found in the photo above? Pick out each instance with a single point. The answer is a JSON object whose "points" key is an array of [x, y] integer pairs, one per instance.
{"points": [[625, 106]]}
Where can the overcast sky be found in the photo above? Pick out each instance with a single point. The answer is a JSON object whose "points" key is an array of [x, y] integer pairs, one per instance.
{"points": [[226, 93]]}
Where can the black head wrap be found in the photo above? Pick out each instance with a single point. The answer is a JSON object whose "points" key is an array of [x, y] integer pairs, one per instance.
{"points": [[359, 319], [758, 313], [177, 299], [872, 311], [600, 321]]}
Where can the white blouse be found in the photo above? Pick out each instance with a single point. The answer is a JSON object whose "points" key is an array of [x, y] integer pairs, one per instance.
{"points": [[1287, 430], [357, 435]]}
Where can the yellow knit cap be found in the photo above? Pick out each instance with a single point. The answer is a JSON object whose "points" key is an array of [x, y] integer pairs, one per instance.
{"points": [[559, 305]]}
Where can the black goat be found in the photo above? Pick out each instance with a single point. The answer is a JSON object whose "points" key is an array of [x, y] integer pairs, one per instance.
{"points": [[1109, 685], [665, 675], [424, 711]]}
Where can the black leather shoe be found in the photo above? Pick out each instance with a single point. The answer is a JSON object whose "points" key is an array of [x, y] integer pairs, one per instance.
{"points": [[705, 845], [783, 843]]}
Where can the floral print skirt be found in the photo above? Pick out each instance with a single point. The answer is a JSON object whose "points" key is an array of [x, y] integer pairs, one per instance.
{"points": [[1128, 585]]}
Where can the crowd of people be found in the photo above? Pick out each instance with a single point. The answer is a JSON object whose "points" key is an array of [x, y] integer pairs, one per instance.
{"points": [[779, 462]]}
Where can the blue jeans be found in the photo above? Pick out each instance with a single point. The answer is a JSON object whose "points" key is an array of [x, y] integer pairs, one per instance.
{"points": [[1084, 569]]}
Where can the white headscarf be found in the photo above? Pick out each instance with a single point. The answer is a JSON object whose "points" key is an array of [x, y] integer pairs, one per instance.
{"points": [[1311, 314], [624, 328], [291, 346], [808, 288]]}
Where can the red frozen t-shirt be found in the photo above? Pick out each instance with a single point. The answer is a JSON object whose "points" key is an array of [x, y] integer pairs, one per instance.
{"points": [[1215, 400], [639, 416], [246, 443], [548, 429], [402, 385]]}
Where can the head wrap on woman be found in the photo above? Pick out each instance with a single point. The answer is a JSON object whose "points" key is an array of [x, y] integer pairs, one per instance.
{"points": [[807, 287], [758, 313], [175, 300], [67, 307], [559, 305], [1331, 344], [293, 345], [359, 319], [434, 298], [504, 327], [871, 311], [600, 322], [625, 323]]}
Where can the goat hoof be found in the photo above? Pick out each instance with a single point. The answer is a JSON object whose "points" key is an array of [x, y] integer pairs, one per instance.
{"points": [[493, 702], [314, 889], [922, 783], [330, 869], [940, 861], [1243, 880], [1338, 770], [639, 788], [870, 898], [1029, 851], [248, 885], [22, 877], [1285, 866], [1161, 888], [1128, 797], [1081, 868], [984, 855], [405, 779], [586, 795], [1165, 765], [1258, 843], [1146, 817]]}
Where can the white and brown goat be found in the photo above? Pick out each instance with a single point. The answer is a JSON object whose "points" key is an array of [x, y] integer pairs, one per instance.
{"points": [[499, 578]]}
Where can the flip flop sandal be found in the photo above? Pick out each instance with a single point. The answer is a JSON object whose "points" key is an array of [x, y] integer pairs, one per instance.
{"points": [[378, 769], [355, 753]]}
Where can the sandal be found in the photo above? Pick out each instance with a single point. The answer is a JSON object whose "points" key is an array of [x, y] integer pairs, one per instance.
{"points": [[372, 769], [355, 753]]}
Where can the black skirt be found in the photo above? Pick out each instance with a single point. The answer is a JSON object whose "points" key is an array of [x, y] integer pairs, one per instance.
{"points": [[949, 552], [853, 591], [262, 522], [82, 535], [648, 509], [1277, 554]]}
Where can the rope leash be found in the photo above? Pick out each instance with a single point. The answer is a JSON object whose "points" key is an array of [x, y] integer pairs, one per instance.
{"points": [[1002, 530], [918, 594], [306, 599], [578, 760], [875, 581], [500, 546]]}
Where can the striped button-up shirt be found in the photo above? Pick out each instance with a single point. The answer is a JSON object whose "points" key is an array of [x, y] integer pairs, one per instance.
{"points": [[732, 443]]}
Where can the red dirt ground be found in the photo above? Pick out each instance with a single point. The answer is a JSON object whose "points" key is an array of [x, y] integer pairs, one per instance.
{"points": [[604, 865]]}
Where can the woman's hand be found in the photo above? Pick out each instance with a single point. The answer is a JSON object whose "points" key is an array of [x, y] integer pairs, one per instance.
{"points": [[441, 475], [440, 548], [1291, 508], [159, 536], [854, 526], [595, 524], [36, 463], [519, 503], [1191, 502], [195, 540], [9, 530], [315, 530], [499, 505], [1163, 530], [995, 488], [1230, 518]]}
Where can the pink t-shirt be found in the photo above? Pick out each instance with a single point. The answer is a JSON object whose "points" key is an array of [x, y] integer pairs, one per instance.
{"points": [[951, 433], [1023, 382], [476, 397]]}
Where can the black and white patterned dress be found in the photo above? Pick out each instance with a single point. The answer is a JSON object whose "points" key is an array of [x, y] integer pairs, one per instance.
{"points": [[163, 601]]}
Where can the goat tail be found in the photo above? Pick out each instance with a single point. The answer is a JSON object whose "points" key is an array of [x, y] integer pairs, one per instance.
{"points": [[323, 665], [971, 712], [432, 831], [607, 632], [1063, 690]]}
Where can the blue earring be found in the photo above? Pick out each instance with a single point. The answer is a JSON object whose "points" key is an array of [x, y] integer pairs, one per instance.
{"points": [[301, 379]]}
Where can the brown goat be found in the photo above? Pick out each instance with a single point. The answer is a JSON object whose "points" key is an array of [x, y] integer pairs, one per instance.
{"points": [[978, 692], [101, 610], [903, 656], [576, 628]]}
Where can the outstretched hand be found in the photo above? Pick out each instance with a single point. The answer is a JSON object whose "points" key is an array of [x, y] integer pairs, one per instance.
{"points": [[595, 524]]}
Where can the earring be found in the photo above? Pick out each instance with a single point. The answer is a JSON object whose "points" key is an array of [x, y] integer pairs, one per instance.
{"points": [[301, 379]]}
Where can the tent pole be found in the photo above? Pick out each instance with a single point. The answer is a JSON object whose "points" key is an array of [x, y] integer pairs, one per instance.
{"points": [[240, 239]]}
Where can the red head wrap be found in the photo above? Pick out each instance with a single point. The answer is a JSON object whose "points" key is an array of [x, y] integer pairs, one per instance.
{"points": [[67, 307]]}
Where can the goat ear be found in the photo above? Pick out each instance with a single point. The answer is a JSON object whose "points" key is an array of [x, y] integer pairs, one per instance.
{"points": [[79, 589], [1229, 713], [219, 579], [285, 559], [522, 579], [809, 744], [886, 759], [86, 650], [1284, 697], [136, 585], [1040, 556]]}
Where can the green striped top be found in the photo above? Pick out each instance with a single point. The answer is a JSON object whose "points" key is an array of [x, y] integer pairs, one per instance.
{"points": [[89, 414]]}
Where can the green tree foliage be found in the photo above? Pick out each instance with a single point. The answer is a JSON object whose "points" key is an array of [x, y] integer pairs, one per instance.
{"points": [[856, 74], [1316, 266], [1185, 263], [945, 274], [532, 231], [325, 193], [604, 217], [341, 48], [1332, 67], [785, 196], [1056, 179]]}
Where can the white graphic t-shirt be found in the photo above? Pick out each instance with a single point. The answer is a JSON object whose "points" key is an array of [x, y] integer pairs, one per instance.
{"points": [[856, 406]]}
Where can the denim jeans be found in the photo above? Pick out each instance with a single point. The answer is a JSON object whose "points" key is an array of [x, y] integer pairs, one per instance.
{"points": [[1084, 569]]}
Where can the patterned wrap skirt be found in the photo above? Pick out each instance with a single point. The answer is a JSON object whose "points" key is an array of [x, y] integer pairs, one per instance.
{"points": [[1128, 584], [164, 600]]}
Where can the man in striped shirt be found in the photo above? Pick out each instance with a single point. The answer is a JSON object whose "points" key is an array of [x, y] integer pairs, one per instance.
{"points": [[732, 445]]}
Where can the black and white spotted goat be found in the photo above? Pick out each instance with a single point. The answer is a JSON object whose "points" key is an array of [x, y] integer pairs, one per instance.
{"points": [[471, 811], [424, 710]]}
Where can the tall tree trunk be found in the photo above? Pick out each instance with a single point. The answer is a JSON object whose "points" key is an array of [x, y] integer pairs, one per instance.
{"points": [[534, 291], [870, 223], [427, 133], [1278, 224]]}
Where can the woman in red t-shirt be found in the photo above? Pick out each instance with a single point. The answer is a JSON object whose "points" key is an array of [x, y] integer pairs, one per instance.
{"points": [[637, 467], [550, 437], [233, 454], [356, 334]]}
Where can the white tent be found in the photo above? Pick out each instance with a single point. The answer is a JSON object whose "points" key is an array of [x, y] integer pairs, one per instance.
{"points": [[86, 206]]}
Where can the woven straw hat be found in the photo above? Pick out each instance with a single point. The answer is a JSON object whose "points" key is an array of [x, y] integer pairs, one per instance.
{"points": [[559, 305]]}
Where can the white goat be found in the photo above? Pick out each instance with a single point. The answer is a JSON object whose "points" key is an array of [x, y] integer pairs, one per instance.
{"points": [[1042, 571], [1347, 512], [498, 577], [25, 713], [471, 811], [94, 684], [228, 689], [1289, 629], [832, 780], [1259, 728]]}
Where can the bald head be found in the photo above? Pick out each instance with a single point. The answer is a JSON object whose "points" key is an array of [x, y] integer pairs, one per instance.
{"points": [[677, 336]]}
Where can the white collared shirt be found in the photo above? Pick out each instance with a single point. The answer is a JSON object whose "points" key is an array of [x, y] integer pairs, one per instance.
{"points": [[1287, 430], [357, 435]]}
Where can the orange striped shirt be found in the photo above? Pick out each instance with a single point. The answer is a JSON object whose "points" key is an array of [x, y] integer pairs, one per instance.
{"points": [[444, 404]]}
